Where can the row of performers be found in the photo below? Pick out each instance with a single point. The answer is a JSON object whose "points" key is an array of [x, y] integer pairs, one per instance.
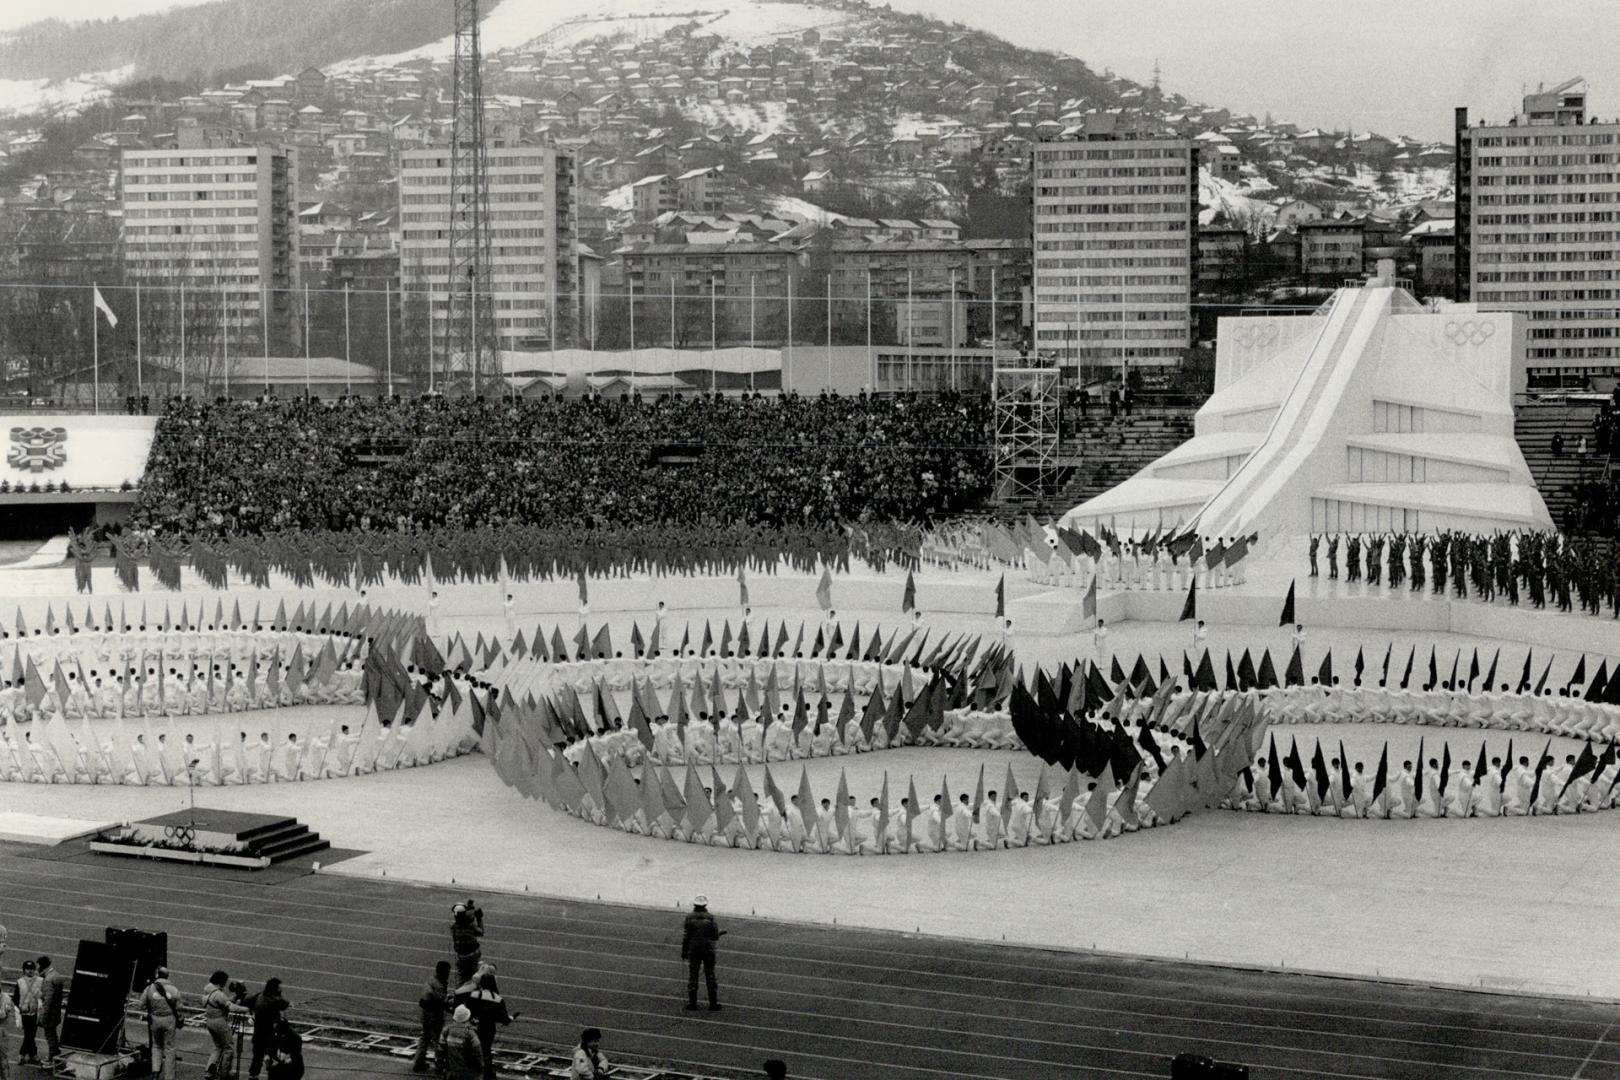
{"points": [[64, 754], [189, 688], [140, 645]]}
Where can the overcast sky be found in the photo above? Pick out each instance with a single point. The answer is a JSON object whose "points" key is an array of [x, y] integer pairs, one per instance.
{"points": [[1392, 66]]}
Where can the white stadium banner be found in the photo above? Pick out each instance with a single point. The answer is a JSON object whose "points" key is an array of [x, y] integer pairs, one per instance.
{"points": [[88, 452]]}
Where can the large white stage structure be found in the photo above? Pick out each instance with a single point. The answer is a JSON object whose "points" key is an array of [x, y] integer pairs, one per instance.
{"points": [[1373, 414]]}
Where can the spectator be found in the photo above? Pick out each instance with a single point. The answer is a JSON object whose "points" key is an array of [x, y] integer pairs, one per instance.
{"points": [[1113, 401], [463, 1060], [589, 1064], [1126, 398], [30, 987], [52, 995], [268, 1007], [433, 1002], [488, 1010], [161, 1001]]}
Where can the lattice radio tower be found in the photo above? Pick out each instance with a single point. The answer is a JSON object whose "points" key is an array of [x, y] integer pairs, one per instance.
{"points": [[470, 346]]}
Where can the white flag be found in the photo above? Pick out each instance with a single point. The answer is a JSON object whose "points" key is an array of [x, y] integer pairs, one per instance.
{"points": [[101, 306]]}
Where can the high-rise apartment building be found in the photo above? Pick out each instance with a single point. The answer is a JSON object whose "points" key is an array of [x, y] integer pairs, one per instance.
{"points": [[532, 223], [1116, 216], [220, 220], [1536, 231]]}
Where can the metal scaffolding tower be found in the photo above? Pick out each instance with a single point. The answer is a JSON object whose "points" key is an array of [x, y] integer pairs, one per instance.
{"points": [[1027, 413], [470, 348]]}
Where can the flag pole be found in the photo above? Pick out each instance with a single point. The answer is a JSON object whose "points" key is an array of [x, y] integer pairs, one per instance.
{"points": [[140, 384], [95, 351], [871, 364], [388, 334], [182, 337], [225, 337], [264, 336], [348, 370], [307, 390], [829, 329], [753, 280]]}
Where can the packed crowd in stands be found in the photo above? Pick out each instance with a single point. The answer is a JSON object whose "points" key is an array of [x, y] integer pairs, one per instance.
{"points": [[234, 467], [1594, 509]]}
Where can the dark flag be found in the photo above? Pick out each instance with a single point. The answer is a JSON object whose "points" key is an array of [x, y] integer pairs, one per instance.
{"points": [[1295, 675], [1231, 672], [1524, 676], [1490, 676], [1361, 665], [1406, 676], [1344, 772], [1507, 767], [1319, 768], [1541, 684], [1381, 777], [1116, 674], [1434, 671], [1001, 596], [1324, 674], [908, 599], [1473, 670], [1599, 682], [1245, 671], [1417, 781], [1147, 742], [1456, 662], [1205, 679], [1266, 678], [1585, 765], [1383, 678], [1274, 776], [1480, 767], [1189, 608], [1580, 673], [1287, 616], [1445, 768]]}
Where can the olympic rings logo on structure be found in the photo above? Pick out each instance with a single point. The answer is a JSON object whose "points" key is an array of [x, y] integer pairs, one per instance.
{"points": [[1469, 332]]}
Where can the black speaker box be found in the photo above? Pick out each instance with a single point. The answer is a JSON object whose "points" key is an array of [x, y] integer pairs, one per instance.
{"points": [[94, 1017], [150, 951], [1199, 1067]]}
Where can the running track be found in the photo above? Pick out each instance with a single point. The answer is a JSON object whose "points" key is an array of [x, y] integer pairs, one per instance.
{"points": [[834, 1003]]}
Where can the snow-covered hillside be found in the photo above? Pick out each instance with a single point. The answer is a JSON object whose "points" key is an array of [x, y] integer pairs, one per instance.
{"points": [[515, 24], [58, 96]]}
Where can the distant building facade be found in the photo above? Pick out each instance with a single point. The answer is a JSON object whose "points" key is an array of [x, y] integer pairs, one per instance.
{"points": [[532, 240], [1536, 231], [1116, 213]]}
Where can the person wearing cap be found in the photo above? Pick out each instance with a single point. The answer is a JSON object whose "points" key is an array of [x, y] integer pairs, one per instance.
{"points": [[162, 1003], [699, 940], [589, 1064], [463, 1058]]}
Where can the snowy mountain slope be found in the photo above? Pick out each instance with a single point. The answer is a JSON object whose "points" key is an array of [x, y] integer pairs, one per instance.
{"points": [[515, 24]]}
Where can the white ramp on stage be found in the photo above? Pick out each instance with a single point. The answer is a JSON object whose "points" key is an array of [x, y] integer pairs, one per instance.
{"points": [[1373, 414]]}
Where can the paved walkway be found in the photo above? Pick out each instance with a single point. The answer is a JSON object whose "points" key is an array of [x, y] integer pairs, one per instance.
{"points": [[836, 1004], [1518, 904]]}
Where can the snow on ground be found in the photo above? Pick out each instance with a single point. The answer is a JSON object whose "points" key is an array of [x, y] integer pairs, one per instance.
{"points": [[19, 96], [1241, 205], [515, 24], [768, 117], [788, 206]]}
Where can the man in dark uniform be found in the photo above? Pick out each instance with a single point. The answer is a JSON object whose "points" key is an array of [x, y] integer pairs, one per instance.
{"points": [[699, 939]]}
